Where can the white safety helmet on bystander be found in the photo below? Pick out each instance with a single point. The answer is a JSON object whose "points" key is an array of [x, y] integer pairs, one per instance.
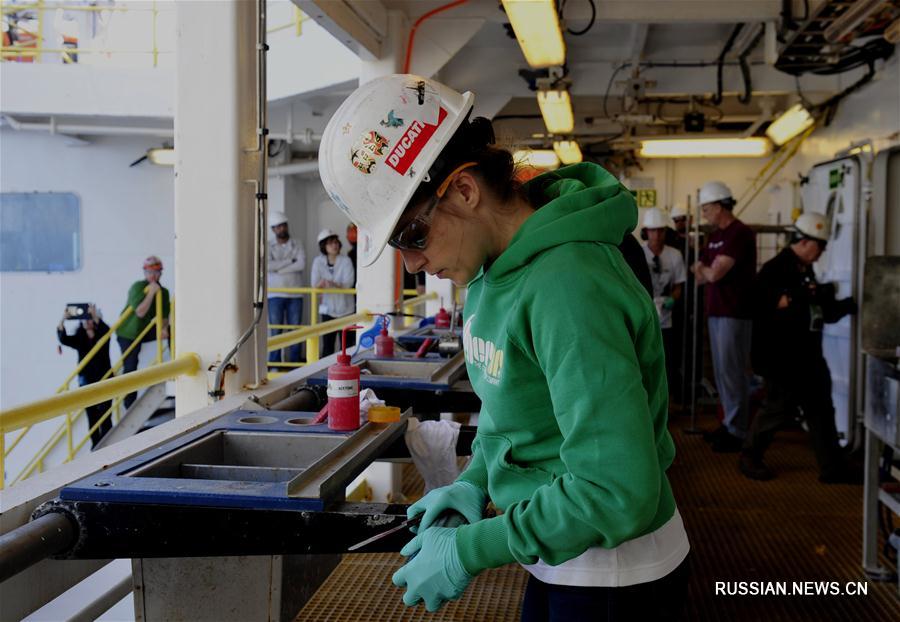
{"points": [[277, 218], [678, 211], [324, 234], [379, 146], [713, 192], [654, 218], [813, 225]]}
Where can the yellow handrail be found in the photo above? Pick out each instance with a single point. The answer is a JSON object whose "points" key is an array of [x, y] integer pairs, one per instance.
{"points": [[81, 365], [90, 394], [306, 333], [301, 334]]}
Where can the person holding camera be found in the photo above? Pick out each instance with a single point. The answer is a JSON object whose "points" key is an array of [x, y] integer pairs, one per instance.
{"points": [[790, 310], [89, 332]]}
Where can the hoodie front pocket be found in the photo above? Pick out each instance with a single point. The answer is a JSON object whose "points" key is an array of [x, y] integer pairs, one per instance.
{"points": [[508, 481]]}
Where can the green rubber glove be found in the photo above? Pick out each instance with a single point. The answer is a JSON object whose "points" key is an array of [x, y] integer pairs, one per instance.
{"points": [[467, 499], [434, 572], [668, 302]]}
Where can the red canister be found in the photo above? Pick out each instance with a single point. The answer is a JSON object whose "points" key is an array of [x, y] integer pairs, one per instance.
{"points": [[442, 319], [384, 343], [343, 390]]}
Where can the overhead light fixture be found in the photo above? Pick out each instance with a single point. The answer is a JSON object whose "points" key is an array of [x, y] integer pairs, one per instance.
{"points": [[793, 121], [556, 108], [705, 148], [536, 25], [536, 158], [163, 156], [568, 151]]}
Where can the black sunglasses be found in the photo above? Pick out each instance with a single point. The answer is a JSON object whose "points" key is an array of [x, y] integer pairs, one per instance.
{"points": [[657, 266], [414, 236]]}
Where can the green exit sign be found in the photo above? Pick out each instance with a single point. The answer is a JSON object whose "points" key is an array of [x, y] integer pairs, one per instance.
{"points": [[646, 198]]}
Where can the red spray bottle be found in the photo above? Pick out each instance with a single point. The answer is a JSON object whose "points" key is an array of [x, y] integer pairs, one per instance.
{"points": [[442, 319], [384, 343], [343, 390]]}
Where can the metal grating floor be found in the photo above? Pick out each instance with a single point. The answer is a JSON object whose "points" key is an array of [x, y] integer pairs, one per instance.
{"points": [[790, 529]]}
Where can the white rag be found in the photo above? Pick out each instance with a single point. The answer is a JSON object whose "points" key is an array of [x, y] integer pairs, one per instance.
{"points": [[432, 445], [367, 399]]}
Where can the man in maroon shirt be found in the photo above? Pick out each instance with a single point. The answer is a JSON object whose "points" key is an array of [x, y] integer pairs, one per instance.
{"points": [[727, 266]]}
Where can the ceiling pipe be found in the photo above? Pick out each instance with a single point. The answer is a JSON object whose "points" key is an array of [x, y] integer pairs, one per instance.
{"points": [[295, 168], [307, 136], [53, 127]]}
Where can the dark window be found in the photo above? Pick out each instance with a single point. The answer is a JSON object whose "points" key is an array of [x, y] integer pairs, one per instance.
{"points": [[40, 232]]}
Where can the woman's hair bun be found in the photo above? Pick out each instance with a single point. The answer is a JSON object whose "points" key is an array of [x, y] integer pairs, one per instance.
{"points": [[480, 133]]}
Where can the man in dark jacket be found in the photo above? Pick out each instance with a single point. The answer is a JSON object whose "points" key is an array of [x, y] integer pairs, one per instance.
{"points": [[89, 332], [790, 309]]}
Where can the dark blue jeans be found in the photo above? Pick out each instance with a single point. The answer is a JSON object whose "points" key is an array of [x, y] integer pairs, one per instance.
{"points": [[131, 361], [94, 413], [285, 311], [660, 600]]}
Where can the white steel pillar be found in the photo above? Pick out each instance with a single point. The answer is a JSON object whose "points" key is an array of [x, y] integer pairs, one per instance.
{"points": [[375, 284], [215, 199]]}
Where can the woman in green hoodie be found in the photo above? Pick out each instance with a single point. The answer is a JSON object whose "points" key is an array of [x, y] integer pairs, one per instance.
{"points": [[563, 347]]}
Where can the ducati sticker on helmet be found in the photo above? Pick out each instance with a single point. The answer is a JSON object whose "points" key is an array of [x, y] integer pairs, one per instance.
{"points": [[391, 121], [364, 151], [412, 142]]}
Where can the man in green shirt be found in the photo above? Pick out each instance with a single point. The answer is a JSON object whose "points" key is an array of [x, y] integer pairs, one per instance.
{"points": [[142, 299]]}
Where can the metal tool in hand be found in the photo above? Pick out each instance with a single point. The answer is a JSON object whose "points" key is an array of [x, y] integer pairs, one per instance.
{"points": [[415, 520]]}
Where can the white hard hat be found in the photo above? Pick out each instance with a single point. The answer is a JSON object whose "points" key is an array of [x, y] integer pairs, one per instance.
{"points": [[277, 218], [654, 218], [714, 191], [324, 234], [678, 211], [813, 225], [378, 147]]}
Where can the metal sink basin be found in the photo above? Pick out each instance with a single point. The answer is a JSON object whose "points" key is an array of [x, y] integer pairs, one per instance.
{"points": [[242, 456], [404, 368], [439, 371]]}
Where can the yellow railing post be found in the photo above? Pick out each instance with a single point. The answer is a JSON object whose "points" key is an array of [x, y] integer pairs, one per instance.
{"points": [[298, 17], [312, 344], [171, 328], [2, 460], [155, 49], [69, 433], [159, 326]]}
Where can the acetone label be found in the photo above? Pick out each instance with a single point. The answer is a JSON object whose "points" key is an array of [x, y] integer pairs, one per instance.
{"points": [[343, 388]]}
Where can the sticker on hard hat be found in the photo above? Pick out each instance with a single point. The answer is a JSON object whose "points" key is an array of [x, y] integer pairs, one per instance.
{"points": [[364, 150], [411, 144]]}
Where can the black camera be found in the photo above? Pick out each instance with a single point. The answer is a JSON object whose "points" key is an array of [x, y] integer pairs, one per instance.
{"points": [[78, 311]]}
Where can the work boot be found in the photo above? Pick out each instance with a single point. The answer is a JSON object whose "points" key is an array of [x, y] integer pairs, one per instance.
{"points": [[711, 436], [844, 475], [727, 443], [752, 466]]}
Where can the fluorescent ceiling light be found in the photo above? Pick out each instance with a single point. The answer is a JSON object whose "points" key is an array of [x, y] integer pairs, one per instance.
{"points": [[537, 158], [705, 148], [794, 120], [163, 157], [568, 151], [556, 108], [537, 29]]}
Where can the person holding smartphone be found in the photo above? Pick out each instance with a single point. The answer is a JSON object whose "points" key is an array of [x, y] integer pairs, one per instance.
{"points": [[90, 330]]}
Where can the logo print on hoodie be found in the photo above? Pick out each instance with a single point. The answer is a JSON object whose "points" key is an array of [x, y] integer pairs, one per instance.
{"points": [[483, 354]]}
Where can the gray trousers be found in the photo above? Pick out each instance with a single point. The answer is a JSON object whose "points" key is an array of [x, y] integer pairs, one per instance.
{"points": [[729, 340]]}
